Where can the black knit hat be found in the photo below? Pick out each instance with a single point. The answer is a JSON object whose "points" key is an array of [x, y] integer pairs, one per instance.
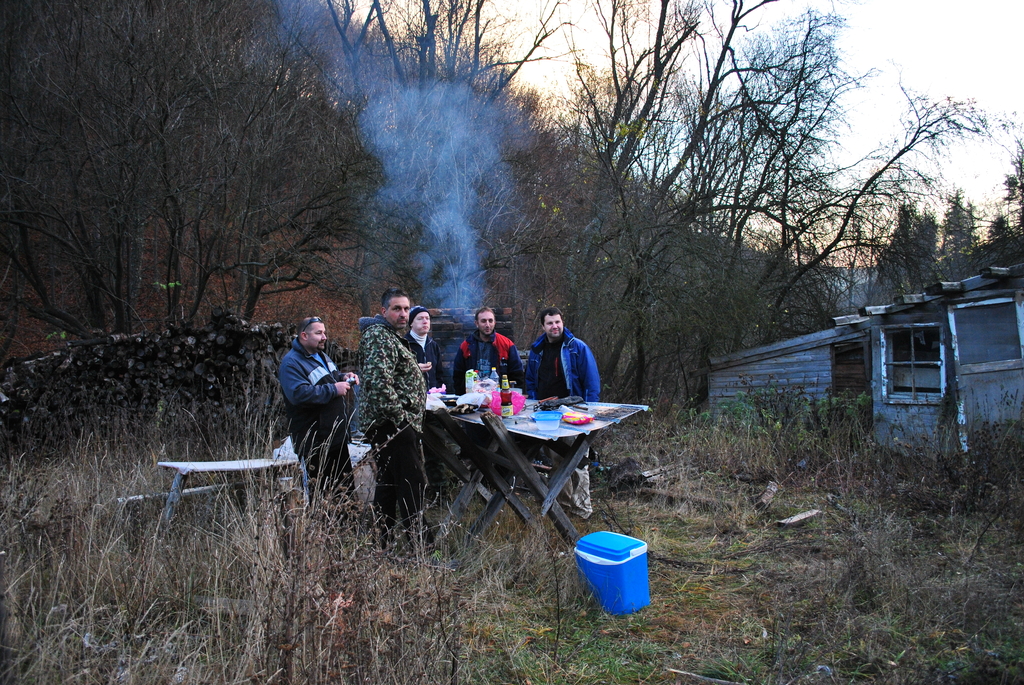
{"points": [[416, 311]]}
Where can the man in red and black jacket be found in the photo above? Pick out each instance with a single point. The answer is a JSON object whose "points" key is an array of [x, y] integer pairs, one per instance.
{"points": [[499, 352]]}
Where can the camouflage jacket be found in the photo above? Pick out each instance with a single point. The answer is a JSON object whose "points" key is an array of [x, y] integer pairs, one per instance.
{"points": [[393, 388]]}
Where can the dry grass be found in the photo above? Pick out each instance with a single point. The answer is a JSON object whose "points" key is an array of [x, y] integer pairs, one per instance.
{"points": [[884, 586]]}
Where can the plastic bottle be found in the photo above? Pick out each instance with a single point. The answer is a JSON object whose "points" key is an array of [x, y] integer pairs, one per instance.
{"points": [[494, 376], [470, 380]]}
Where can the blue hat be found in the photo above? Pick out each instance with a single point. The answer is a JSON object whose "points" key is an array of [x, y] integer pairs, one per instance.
{"points": [[416, 311]]}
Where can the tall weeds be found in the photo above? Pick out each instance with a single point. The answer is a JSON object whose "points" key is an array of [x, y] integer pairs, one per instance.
{"points": [[909, 565], [240, 587]]}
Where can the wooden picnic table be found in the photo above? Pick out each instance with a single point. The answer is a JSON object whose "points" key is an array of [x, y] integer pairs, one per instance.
{"points": [[508, 460]]}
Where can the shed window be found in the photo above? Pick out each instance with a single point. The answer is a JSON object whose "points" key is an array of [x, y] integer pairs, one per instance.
{"points": [[913, 363], [987, 333]]}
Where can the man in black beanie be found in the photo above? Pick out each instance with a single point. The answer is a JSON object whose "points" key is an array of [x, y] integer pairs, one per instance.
{"points": [[428, 352]]}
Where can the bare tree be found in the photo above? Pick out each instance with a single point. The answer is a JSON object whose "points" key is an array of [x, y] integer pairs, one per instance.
{"points": [[159, 158], [436, 41], [726, 215], [433, 81]]}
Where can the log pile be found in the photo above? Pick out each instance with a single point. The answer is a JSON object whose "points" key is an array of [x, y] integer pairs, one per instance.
{"points": [[227, 363]]}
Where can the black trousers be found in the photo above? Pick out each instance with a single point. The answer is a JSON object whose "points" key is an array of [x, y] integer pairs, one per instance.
{"points": [[324, 451], [401, 481], [433, 464], [329, 468]]}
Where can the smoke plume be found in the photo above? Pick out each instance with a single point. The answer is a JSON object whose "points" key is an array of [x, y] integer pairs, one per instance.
{"points": [[439, 147], [439, 144]]}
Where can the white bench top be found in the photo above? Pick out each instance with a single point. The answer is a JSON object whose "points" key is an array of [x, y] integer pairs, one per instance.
{"points": [[186, 467]]}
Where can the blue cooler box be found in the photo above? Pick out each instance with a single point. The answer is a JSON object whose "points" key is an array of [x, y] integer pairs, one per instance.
{"points": [[615, 568]]}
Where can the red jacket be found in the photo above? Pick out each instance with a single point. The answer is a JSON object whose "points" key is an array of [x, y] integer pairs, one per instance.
{"points": [[501, 354]]}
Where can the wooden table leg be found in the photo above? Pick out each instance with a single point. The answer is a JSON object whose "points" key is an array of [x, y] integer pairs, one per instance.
{"points": [[561, 475], [484, 461], [461, 502], [486, 517], [433, 440], [530, 476]]}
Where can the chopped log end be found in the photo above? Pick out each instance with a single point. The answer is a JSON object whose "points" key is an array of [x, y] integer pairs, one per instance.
{"points": [[765, 500]]}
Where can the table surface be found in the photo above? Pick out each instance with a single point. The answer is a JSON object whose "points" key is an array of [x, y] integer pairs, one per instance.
{"points": [[604, 413]]}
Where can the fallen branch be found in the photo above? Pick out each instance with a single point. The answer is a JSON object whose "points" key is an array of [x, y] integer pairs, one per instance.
{"points": [[704, 679], [699, 568], [654, 475], [673, 499]]}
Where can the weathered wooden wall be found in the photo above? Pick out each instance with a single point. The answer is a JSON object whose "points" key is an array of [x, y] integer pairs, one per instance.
{"points": [[802, 365]]}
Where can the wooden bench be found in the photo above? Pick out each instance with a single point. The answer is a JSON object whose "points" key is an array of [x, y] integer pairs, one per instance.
{"points": [[184, 468]]}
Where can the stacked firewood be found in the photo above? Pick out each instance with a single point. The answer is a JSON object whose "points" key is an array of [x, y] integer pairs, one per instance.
{"points": [[228, 363]]}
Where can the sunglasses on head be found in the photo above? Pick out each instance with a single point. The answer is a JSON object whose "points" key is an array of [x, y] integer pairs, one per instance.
{"points": [[312, 320]]}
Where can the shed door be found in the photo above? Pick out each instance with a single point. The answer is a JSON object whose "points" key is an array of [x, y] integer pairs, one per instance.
{"points": [[989, 362], [850, 368]]}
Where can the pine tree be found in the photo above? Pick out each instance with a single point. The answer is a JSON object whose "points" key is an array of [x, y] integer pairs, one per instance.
{"points": [[958, 251]]}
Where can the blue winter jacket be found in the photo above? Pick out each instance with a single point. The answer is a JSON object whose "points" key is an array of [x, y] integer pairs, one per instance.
{"points": [[581, 375], [308, 385]]}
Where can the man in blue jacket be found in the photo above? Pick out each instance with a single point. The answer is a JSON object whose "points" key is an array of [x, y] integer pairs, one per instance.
{"points": [[561, 364], [314, 394]]}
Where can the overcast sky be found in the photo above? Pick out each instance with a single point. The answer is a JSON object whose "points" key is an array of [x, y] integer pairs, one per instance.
{"points": [[938, 48], [963, 50]]}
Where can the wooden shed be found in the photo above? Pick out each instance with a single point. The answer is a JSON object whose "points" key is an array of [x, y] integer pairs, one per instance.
{"points": [[813, 365], [944, 363]]}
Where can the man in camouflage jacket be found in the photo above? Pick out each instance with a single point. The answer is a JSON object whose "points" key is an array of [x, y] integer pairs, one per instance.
{"points": [[391, 413]]}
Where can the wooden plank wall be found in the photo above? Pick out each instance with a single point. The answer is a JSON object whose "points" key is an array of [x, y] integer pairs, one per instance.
{"points": [[808, 371], [908, 425]]}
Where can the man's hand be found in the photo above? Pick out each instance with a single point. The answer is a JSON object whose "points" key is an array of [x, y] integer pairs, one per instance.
{"points": [[426, 366], [351, 379], [341, 388]]}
